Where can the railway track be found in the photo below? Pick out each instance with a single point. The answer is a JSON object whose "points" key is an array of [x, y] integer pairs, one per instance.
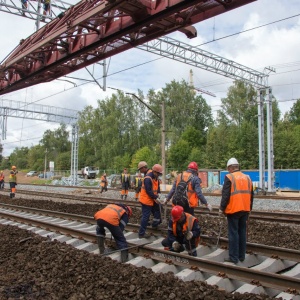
{"points": [[271, 270], [268, 216]]}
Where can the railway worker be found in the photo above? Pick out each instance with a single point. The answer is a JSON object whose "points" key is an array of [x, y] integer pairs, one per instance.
{"points": [[24, 6], [1, 180], [143, 167], [46, 8], [236, 203], [194, 192], [149, 198], [114, 217], [138, 186], [183, 232], [125, 181], [103, 183], [12, 179]]}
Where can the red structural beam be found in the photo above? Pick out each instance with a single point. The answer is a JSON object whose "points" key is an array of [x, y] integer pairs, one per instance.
{"points": [[93, 30]]}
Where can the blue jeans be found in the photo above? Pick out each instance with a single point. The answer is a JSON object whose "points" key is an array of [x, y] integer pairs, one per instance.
{"points": [[116, 232], [146, 212], [237, 228]]}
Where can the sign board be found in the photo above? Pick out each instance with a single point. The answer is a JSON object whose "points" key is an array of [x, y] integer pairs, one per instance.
{"points": [[51, 166]]}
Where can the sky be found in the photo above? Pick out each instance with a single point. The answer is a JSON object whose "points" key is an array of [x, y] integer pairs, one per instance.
{"points": [[265, 33]]}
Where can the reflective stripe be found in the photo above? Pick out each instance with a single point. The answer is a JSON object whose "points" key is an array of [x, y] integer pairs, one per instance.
{"points": [[118, 211]]}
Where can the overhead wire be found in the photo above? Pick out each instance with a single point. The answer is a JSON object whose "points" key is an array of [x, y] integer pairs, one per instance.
{"points": [[147, 62]]}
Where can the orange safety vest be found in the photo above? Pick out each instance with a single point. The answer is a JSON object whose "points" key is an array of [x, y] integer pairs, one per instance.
{"points": [[240, 194], [1, 176], [191, 194], [111, 213], [103, 181], [144, 197], [187, 226]]}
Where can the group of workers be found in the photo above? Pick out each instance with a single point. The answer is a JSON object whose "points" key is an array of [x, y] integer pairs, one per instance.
{"points": [[183, 227], [46, 7]]}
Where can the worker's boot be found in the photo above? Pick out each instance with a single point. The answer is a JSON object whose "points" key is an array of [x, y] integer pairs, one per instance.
{"points": [[124, 256], [136, 199], [122, 196], [11, 195], [100, 241], [125, 197]]}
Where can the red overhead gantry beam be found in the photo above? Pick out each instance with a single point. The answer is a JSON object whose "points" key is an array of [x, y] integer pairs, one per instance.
{"points": [[93, 30]]}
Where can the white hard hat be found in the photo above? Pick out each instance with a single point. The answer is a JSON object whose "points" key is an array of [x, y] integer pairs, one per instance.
{"points": [[232, 161]]}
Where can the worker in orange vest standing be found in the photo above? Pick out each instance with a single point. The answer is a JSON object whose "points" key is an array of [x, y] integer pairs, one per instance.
{"points": [[12, 179], [1, 180], [138, 186], [103, 183], [114, 217], [125, 181], [236, 204]]}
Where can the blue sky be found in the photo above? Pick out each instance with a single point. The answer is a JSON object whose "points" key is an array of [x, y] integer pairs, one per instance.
{"points": [[275, 45]]}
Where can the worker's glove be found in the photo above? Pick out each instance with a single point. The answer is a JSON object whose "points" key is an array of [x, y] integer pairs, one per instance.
{"points": [[188, 235], [176, 246], [163, 201], [210, 208]]}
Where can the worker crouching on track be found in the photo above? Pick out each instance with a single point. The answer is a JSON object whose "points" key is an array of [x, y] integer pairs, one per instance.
{"points": [[12, 179], [114, 217], [183, 232]]}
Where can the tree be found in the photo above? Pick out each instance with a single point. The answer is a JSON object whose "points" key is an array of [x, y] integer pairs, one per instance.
{"points": [[179, 154], [294, 114]]}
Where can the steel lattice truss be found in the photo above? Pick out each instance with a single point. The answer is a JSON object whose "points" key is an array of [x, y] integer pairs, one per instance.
{"points": [[94, 30], [41, 112], [34, 8], [192, 55]]}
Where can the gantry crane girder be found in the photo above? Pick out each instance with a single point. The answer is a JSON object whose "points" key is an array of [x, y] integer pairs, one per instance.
{"points": [[93, 30]]}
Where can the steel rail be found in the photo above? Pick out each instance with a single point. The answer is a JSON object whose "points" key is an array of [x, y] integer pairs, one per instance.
{"points": [[275, 281], [267, 216], [253, 248]]}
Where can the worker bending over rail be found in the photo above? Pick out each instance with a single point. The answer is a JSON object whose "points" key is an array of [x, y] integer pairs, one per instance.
{"points": [[115, 218]]}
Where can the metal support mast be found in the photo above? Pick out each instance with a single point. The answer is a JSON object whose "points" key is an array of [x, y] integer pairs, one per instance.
{"points": [[74, 154], [163, 142], [270, 140], [261, 139]]}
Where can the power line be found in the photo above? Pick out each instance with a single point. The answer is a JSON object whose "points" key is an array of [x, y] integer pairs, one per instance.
{"points": [[250, 29]]}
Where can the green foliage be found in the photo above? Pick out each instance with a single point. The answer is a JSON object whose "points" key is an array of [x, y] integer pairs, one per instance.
{"points": [[293, 115], [179, 154], [123, 130]]}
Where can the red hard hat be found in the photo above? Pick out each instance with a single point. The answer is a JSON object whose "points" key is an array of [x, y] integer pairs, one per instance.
{"points": [[176, 213], [157, 168], [129, 211], [193, 165]]}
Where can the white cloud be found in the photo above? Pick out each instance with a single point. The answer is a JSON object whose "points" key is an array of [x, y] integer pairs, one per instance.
{"points": [[273, 45]]}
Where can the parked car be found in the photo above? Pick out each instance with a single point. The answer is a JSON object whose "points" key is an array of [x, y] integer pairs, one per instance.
{"points": [[32, 173], [48, 175]]}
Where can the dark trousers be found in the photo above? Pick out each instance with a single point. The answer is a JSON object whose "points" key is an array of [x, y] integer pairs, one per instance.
{"points": [[116, 232], [1, 184], [237, 227], [146, 212]]}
